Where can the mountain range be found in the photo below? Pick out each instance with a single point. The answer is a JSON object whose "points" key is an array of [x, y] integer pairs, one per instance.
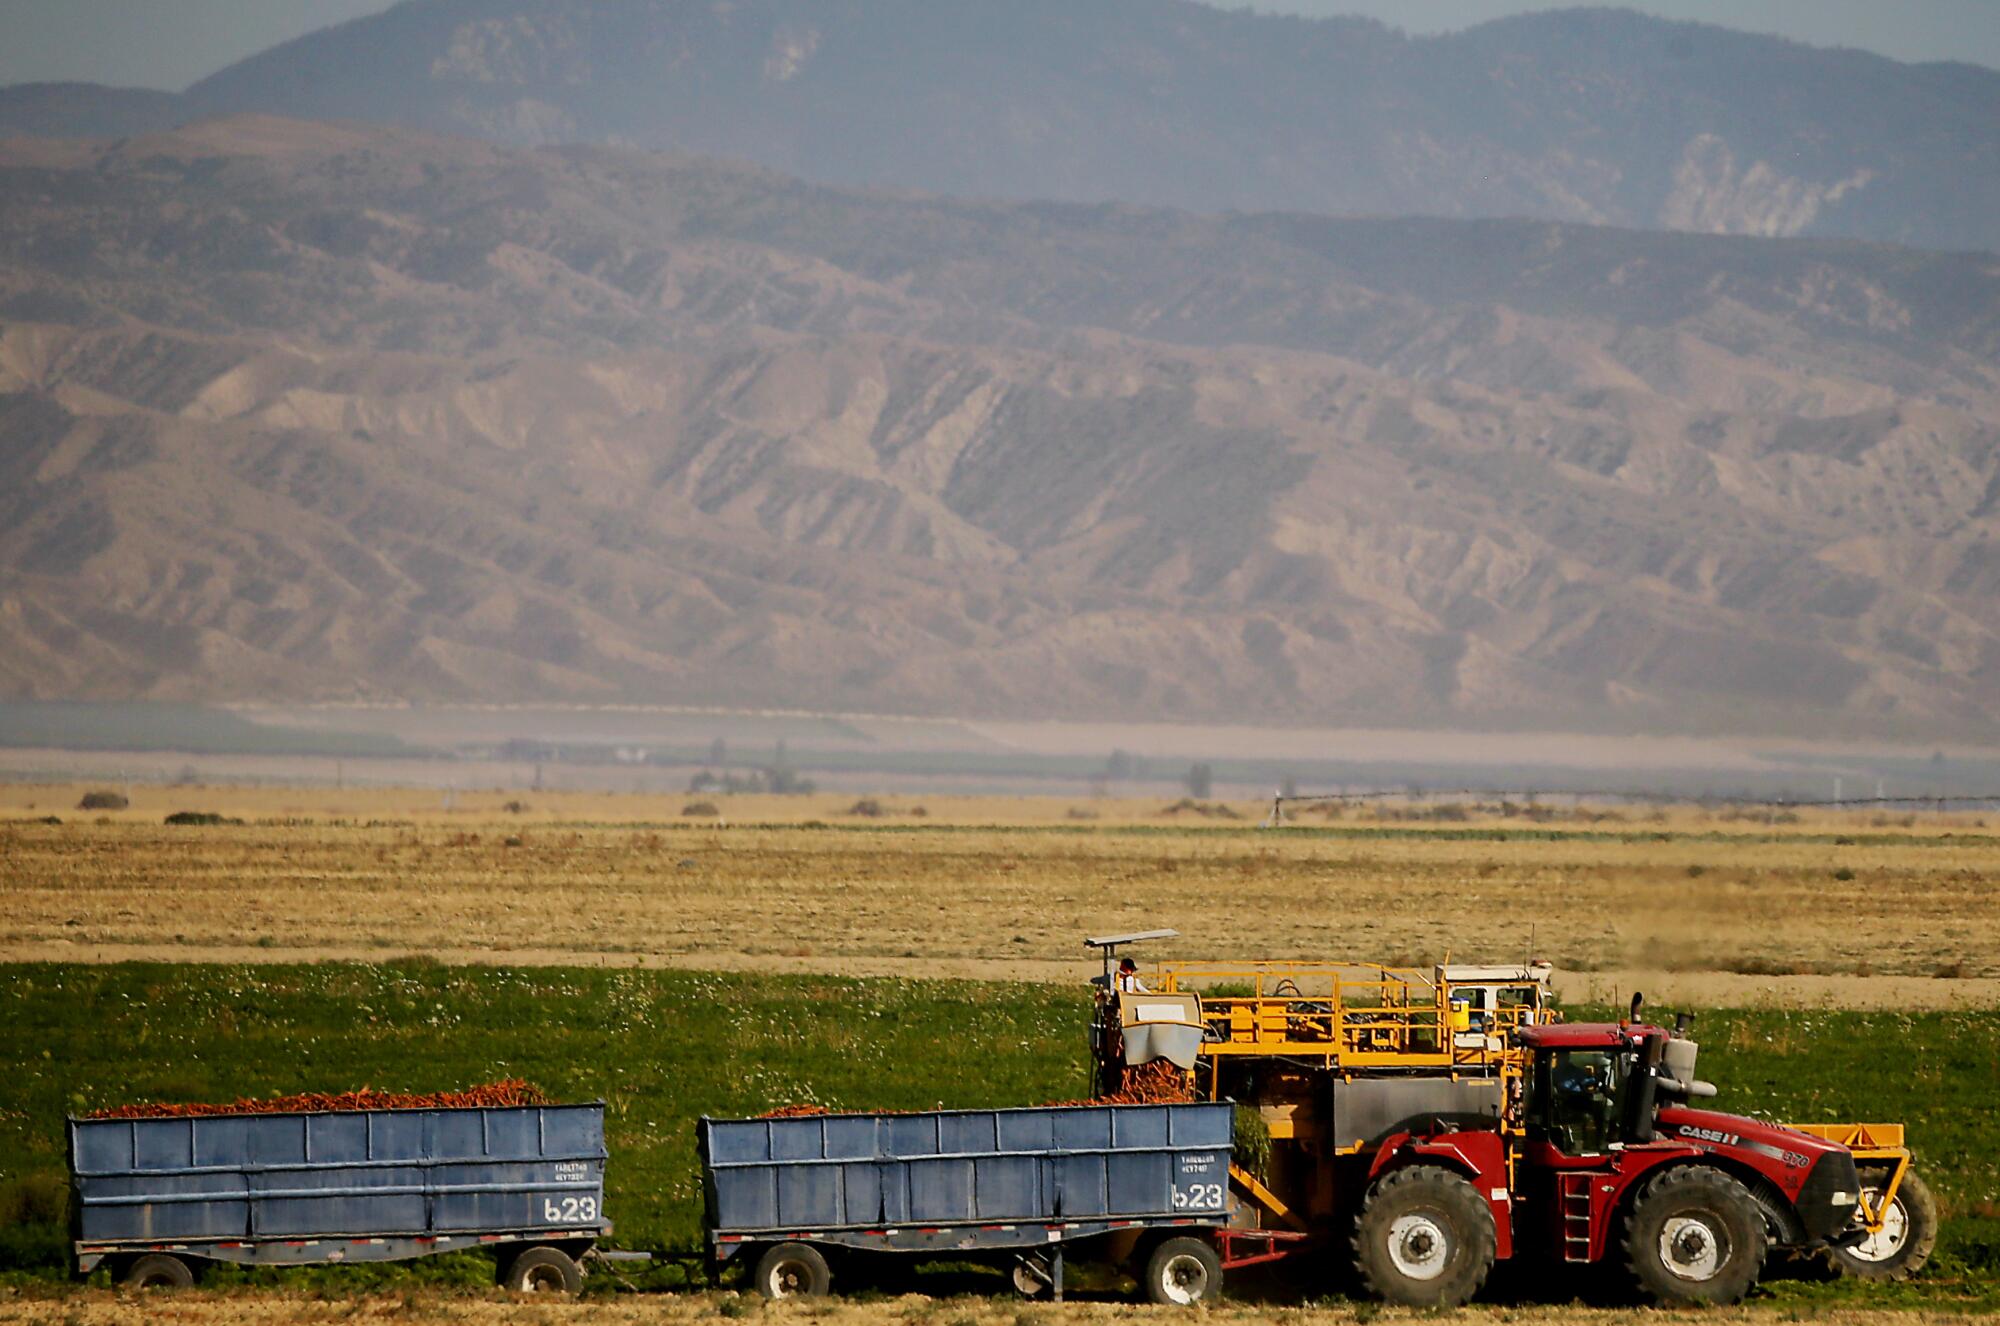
{"points": [[1592, 115], [329, 411]]}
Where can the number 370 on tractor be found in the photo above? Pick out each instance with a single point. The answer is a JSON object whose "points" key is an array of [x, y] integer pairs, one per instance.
{"points": [[1425, 1125]]}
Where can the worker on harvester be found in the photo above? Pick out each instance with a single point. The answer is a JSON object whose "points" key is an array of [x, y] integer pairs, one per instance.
{"points": [[1128, 978]]}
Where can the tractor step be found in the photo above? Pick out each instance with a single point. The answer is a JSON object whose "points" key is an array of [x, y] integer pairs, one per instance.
{"points": [[1575, 1195]]}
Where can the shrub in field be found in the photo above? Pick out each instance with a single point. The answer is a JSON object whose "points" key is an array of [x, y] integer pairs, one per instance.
{"points": [[34, 1212], [101, 800], [39, 1198], [1213, 810], [868, 807], [694, 808], [199, 817]]}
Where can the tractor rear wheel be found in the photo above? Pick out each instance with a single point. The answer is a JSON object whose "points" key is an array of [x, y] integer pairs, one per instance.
{"points": [[793, 1270], [1695, 1236], [1909, 1232], [1424, 1238]]}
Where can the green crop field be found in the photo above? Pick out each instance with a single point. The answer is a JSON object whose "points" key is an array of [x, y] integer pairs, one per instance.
{"points": [[663, 1047]]}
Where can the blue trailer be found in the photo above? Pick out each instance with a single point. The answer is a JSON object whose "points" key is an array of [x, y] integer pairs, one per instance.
{"points": [[1144, 1185], [157, 1198]]}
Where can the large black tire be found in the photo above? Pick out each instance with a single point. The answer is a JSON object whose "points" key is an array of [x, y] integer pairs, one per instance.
{"points": [[542, 1270], [158, 1270], [1695, 1235], [1908, 1234], [1424, 1238], [793, 1270], [1183, 1272]]}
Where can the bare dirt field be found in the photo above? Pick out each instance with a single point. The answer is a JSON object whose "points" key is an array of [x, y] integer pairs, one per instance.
{"points": [[102, 1308], [1834, 910]]}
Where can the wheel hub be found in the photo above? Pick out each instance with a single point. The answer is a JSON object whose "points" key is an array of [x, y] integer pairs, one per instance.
{"points": [[1418, 1246], [1887, 1241], [1692, 1248], [1185, 1279]]}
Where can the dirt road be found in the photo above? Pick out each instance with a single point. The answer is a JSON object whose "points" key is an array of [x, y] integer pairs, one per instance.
{"points": [[1675, 989], [272, 1309]]}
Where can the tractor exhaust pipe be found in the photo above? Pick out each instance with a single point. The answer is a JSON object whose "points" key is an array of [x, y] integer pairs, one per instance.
{"points": [[1644, 1099]]}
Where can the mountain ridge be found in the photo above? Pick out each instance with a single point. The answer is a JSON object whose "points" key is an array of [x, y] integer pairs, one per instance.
{"points": [[313, 411], [1583, 115]]}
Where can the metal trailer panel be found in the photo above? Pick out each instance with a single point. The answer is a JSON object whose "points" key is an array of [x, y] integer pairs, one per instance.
{"points": [[1369, 1109], [359, 1174], [966, 1167]]}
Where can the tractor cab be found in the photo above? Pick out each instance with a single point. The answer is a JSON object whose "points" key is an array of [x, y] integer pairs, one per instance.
{"points": [[1579, 1087], [1596, 1088]]}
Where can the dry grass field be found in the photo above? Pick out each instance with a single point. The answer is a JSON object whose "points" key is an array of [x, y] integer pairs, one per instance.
{"points": [[102, 1308], [1841, 909]]}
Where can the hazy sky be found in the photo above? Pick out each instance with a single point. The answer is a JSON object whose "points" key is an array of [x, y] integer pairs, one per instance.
{"points": [[171, 43]]}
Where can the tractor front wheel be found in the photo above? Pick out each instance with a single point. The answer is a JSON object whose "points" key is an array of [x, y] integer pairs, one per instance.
{"points": [[1424, 1238], [1909, 1231], [1695, 1236]]}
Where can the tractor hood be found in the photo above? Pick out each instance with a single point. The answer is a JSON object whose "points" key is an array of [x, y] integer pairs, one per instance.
{"points": [[1817, 1176], [1712, 1130]]}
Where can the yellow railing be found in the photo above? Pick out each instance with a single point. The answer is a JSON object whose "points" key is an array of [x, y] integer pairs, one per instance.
{"points": [[1351, 1015]]}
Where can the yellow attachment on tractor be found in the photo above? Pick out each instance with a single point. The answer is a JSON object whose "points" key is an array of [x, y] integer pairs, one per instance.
{"points": [[1363, 1017], [1879, 1150]]}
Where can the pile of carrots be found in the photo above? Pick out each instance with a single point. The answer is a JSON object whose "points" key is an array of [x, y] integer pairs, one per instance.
{"points": [[512, 1091], [1156, 1083]]}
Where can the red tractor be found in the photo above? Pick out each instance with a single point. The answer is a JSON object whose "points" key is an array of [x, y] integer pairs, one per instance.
{"points": [[1611, 1163], [1435, 1123]]}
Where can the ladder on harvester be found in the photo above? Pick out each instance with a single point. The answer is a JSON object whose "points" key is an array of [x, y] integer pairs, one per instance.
{"points": [[1575, 1198]]}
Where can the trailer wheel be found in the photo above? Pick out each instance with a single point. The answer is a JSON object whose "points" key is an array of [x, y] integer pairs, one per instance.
{"points": [[1029, 1282], [158, 1270], [1182, 1272], [1695, 1236], [1424, 1238], [793, 1270], [542, 1270], [1909, 1232]]}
